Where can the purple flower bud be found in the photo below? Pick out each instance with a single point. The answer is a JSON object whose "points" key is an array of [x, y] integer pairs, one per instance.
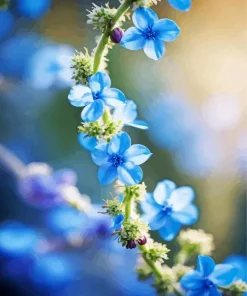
{"points": [[142, 241], [131, 244], [116, 35]]}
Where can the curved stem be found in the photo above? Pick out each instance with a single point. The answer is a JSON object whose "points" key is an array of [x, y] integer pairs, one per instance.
{"points": [[99, 53], [153, 266], [11, 162]]}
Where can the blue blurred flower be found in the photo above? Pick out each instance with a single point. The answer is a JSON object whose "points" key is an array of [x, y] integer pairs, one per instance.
{"points": [[119, 159], [240, 263], [207, 277], [41, 188], [183, 5], [53, 270], [96, 96], [127, 114], [149, 33], [33, 9], [50, 66], [16, 239], [7, 23], [168, 208]]}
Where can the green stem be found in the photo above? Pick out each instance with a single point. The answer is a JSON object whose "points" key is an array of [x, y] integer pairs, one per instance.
{"points": [[99, 53], [106, 116], [128, 210]]}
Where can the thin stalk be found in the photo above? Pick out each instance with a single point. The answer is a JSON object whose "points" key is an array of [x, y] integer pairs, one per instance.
{"points": [[99, 53]]}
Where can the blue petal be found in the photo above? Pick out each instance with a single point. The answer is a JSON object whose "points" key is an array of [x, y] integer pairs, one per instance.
{"points": [[126, 113], [130, 174], [87, 142], [166, 30], [181, 197], [118, 219], [149, 206], [144, 17], [114, 145], [163, 191], [186, 216], [214, 291], [119, 143], [125, 142], [183, 5], [137, 154], [138, 124], [80, 95], [192, 280], [223, 274], [93, 111], [170, 230], [133, 39], [113, 97], [205, 265], [154, 49], [99, 81], [65, 177], [107, 173], [100, 155], [157, 221]]}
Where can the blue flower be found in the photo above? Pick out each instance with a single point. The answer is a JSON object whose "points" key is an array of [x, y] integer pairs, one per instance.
{"points": [[117, 222], [119, 159], [240, 263], [168, 208], [207, 277], [149, 33], [7, 23], [127, 114], [183, 5], [95, 97], [33, 9]]}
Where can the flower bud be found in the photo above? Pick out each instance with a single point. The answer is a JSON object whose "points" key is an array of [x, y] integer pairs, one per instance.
{"points": [[142, 241], [131, 244], [116, 35]]}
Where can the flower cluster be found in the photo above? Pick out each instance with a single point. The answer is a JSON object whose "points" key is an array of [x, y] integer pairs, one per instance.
{"points": [[105, 113]]}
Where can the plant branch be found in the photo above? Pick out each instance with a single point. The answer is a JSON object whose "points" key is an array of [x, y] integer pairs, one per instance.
{"points": [[99, 53]]}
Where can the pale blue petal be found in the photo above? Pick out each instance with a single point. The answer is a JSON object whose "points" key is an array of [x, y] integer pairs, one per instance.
{"points": [[126, 113], [181, 197], [183, 5], [192, 280], [133, 39], [149, 205], [80, 96], [154, 49], [166, 30], [113, 97], [130, 174], [99, 154], [138, 124], [200, 292], [118, 219], [170, 230], [223, 274], [163, 191], [144, 17], [186, 216], [157, 221], [99, 81], [205, 265], [107, 173], [119, 144], [137, 154], [87, 142], [93, 111]]}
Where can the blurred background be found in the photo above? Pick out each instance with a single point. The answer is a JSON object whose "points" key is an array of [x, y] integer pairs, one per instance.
{"points": [[194, 101]]}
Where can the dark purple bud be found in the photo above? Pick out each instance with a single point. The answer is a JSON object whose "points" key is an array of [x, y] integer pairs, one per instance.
{"points": [[131, 244], [116, 35], [142, 241]]}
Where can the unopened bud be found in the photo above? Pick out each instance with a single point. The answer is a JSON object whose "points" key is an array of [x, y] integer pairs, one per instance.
{"points": [[116, 35]]}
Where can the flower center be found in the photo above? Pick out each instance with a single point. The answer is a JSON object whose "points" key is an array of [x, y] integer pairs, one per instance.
{"points": [[150, 34], [167, 209], [209, 284], [116, 160], [95, 96]]}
